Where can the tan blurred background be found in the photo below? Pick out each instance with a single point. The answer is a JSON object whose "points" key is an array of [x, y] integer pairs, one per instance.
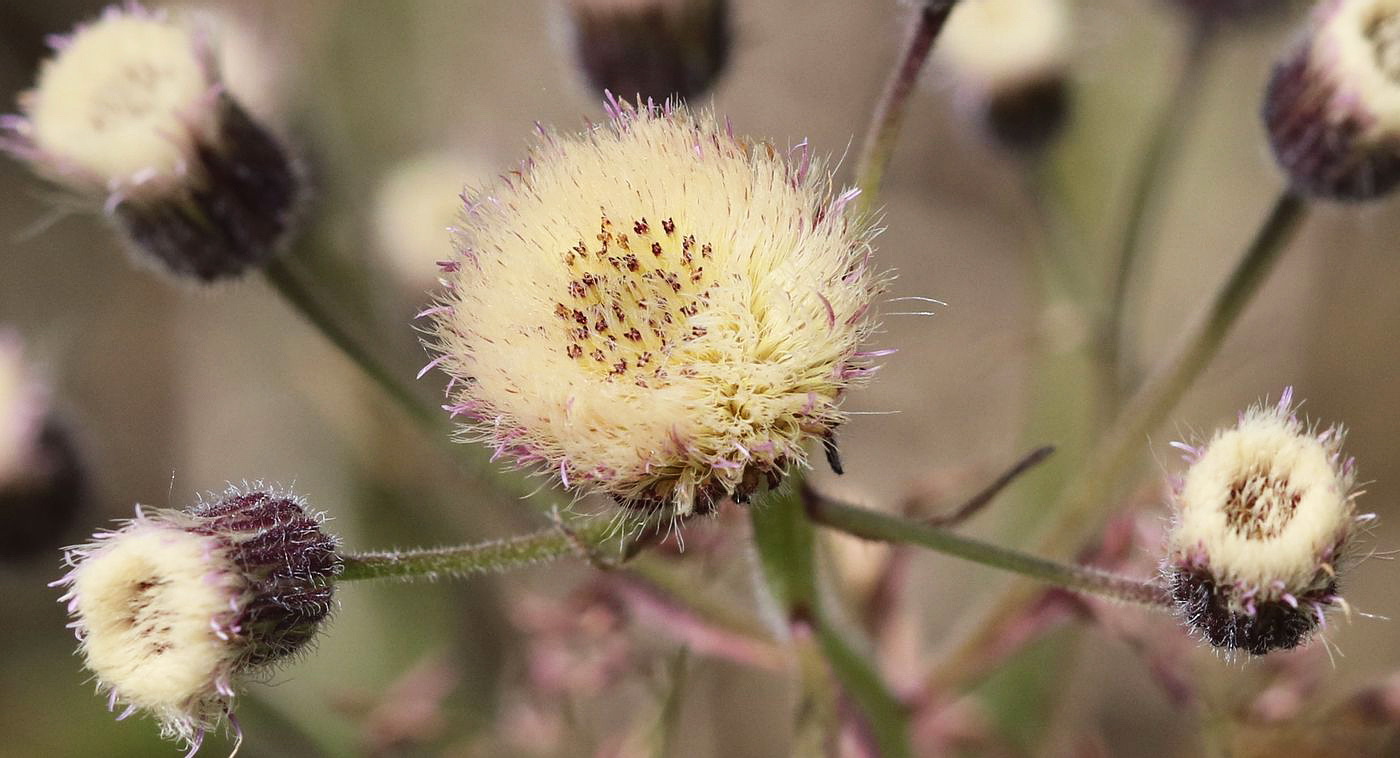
{"points": [[177, 390]]}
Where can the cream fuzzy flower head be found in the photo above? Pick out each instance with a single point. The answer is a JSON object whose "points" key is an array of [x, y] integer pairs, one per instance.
{"points": [[1263, 517], [175, 608], [657, 309], [130, 113], [116, 104]]}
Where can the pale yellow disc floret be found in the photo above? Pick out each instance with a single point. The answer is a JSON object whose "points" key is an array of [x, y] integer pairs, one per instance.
{"points": [[117, 101], [993, 43], [415, 205], [655, 306], [1357, 46], [147, 601], [1267, 504]]}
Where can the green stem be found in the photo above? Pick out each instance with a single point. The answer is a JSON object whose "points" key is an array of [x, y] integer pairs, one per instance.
{"points": [[873, 525], [492, 557], [288, 282], [1155, 163], [786, 546], [889, 113]]}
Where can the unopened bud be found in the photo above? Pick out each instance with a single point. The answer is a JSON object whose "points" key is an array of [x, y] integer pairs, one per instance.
{"points": [[654, 49]]}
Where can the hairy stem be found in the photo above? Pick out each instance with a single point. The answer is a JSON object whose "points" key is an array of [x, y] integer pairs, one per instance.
{"points": [[1155, 163], [883, 133], [492, 557], [786, 547], [873, 525]]}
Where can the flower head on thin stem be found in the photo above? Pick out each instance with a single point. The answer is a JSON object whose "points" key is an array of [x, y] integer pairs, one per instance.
{"points": [[1332, 108], [1008, 62], [130, 113], [657, 309], [176, 607], [1263, 519]]}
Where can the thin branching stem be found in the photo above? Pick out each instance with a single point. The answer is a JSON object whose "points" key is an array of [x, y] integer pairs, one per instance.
{"points": [[885, 123], [883, 527], [1155, 163], [982, 499]]}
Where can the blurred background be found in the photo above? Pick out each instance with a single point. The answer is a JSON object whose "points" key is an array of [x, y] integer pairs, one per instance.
{"points": [[171, 389]]}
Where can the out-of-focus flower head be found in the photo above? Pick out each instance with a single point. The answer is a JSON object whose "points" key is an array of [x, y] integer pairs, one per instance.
{"points": [[130, 112], [655, 49], [1332, 108]]}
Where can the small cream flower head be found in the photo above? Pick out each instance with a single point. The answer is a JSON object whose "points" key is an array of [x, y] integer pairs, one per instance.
{"points": [[1332, 108], [1263, 518], [657, 310], [175, 608], [416, 204], [1008, 61], [130, 111]]}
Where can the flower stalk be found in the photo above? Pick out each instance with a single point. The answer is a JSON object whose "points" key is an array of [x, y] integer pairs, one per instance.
{"points": [[492, 557], [1155, 163], [882, 527], [888, 117]]}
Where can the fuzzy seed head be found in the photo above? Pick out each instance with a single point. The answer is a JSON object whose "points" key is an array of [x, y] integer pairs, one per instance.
{"points": [[115, 103], [657, 310], [1333, 106], [175, 608], [1263, 516]]}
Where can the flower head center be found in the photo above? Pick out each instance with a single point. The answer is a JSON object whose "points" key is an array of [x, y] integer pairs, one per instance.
{"points": [[630, 298], [1260, 506], [135, 93], [1384, 34]]}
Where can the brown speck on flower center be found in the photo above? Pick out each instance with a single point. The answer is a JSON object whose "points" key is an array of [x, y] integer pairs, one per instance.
{"points": [[1260, 506], [623, 310], [1384, 33]]}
